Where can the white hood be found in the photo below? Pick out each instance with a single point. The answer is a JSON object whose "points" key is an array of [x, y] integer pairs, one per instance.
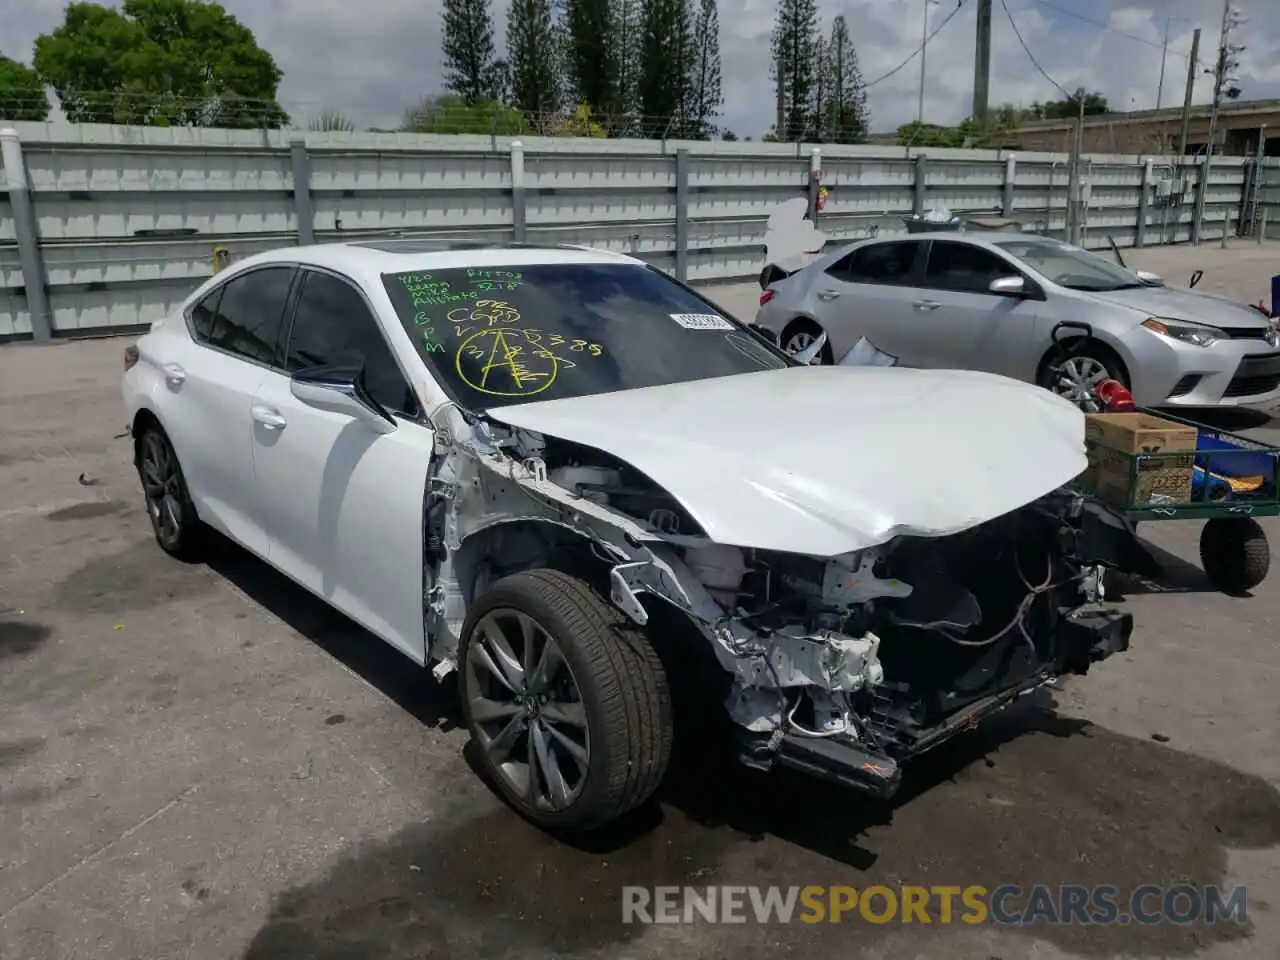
{"points": [[825, 460]]}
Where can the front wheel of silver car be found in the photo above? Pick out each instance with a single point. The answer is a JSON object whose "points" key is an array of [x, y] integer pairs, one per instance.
{"points": [[566, 702], [1076, 377]]}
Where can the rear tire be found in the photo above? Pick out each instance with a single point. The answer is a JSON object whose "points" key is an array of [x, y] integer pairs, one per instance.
{"points": [[1234, 553], [177, 527], [801, 333], [566, 700]]}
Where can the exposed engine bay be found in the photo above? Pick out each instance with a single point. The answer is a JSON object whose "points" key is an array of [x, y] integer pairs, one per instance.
{"points": [[843, 666]]}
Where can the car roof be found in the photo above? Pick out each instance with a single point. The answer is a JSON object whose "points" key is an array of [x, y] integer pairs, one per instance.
{"points": [[368, 258]]}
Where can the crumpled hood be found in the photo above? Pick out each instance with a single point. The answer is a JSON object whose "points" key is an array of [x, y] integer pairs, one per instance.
{"points": [[825, 460], [1189, 305]]}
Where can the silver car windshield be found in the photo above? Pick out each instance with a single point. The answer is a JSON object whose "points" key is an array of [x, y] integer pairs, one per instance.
{"points": [[1070, 266]]}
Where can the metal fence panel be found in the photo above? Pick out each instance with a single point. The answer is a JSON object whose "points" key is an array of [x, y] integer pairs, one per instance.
{"points": [[126, 219]]}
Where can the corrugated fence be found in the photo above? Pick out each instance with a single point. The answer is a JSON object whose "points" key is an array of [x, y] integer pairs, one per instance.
{"points": [[105, 228]]}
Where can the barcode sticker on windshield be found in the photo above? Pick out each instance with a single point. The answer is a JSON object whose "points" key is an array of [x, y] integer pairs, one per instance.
{"points": [[701, 321]]}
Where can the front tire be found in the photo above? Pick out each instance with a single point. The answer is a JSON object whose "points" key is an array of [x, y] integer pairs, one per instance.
{"points": [[565, 699], [174, 522], [1075, 377], [1234, 553]]}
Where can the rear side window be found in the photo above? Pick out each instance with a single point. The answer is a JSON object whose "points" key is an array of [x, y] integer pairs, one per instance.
{"points": [[249, 314], [202, 315], [878, 263]]}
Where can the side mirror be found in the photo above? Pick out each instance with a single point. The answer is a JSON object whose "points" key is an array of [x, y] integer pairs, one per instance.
{"points": [[1149, 278], [339, 388], [1008, 286]]}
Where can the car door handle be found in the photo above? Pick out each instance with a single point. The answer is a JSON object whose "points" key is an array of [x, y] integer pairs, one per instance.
{"points": [[927, 304], [269, 418], [174, 373], [828, 294]]}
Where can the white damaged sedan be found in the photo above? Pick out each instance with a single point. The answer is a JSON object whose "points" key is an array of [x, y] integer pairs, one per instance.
{"points": [[574, 483]]}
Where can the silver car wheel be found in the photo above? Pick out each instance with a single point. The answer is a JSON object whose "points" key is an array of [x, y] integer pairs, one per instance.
{"points": [[527, 709], [1076, 379], [798, 341]]}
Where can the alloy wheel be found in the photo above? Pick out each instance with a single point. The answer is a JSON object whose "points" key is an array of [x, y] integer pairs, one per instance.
{"points": [[527, 709], [1077, 378], [162, 484], [798, 341]]}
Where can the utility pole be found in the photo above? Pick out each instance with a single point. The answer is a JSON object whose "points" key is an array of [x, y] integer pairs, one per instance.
{"points": [[1193, 63], [982, 62], [1164, 54], [924, 55], [1226, 61]]}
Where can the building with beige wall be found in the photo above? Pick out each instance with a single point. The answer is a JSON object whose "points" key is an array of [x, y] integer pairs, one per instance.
{"points": [[1156, 131]]}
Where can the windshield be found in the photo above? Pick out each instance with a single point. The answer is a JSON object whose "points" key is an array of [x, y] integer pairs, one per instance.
{"points": [[497, 336], [1069, 266]]}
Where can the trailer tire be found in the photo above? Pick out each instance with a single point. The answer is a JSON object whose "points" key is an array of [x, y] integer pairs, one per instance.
{"points": [[1234, 553]]}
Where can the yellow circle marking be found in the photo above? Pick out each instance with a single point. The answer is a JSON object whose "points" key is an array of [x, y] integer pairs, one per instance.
{"points": [[503, 355]]}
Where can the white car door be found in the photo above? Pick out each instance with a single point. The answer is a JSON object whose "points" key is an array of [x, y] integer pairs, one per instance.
{"points": [[346, 499], [868, 293], [238, 336]]}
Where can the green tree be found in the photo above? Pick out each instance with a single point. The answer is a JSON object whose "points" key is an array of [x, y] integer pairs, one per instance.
{"points": [[847, 118], [819, 112], [626, 52], [471, 69], [794, 53], [1069, 109], [666, 61], [729, 136], [160, 62], [589, 48], [22, 95], [705, 97], [452, 114], [533, 56]]}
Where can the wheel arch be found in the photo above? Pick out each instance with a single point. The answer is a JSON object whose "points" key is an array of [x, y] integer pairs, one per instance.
{"points": [[144, 419], [1100, 340]]}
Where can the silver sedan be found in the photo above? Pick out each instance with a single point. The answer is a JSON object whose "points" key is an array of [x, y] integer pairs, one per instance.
{"points": [[990, 302]]}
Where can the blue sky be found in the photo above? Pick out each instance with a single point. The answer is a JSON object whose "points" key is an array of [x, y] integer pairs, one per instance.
{"points": [[372, 59]]}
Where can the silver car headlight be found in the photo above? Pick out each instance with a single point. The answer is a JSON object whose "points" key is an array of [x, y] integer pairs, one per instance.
{"points": [[1197, 333]]}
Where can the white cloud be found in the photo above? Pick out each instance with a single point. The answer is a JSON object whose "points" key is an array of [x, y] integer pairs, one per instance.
{"points": [[373, 59]]}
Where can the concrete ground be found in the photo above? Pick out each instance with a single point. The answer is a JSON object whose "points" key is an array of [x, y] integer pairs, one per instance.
{"points": [[203, 762]]}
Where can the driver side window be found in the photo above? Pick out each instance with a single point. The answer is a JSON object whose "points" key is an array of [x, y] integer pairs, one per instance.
{"points": [[332, 324]]}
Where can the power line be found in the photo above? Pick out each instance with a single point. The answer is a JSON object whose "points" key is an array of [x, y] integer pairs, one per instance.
{"points": [[1106, 26], [915, 53], [1027, 50]]}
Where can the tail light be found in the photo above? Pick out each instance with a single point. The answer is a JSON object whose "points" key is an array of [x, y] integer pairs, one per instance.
{"points": [[130, 357], [1114, 397], [766, 297]]}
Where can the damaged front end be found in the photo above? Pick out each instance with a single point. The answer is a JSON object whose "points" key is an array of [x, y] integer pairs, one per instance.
{"points": [[843, 667]]}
